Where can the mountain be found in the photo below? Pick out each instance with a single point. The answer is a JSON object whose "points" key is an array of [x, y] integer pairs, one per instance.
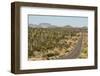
{"points": [[48, 25], [33, 25], [42, 25], [68, 26], [85, 27]]}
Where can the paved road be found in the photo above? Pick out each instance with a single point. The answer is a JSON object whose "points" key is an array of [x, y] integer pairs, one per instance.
{"points": [[75, 52]]}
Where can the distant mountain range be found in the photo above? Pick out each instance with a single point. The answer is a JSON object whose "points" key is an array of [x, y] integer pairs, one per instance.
{"points": [[42, 25], [48, 25]]}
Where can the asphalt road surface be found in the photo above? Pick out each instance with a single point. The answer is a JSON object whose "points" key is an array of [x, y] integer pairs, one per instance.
{"points": [[75, 52]]}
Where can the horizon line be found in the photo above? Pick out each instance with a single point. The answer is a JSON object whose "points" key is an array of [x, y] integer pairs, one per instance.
{"points": [[60, 26]]}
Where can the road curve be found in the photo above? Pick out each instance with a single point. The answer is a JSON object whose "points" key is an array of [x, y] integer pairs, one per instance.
{"points": [[75, 51]]}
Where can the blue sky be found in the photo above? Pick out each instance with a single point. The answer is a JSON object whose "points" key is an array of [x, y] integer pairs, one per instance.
{"points": [[74, 21]]}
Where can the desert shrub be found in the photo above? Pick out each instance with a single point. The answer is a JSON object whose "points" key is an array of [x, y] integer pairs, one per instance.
{"points": [[44, 39]]}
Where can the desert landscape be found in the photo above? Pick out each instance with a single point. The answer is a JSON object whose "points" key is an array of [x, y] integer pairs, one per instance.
{"points": [[49, 42]]}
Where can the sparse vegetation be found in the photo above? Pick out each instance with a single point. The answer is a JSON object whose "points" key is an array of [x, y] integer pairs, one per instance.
{"points": [[84, 53], [52, 43]]}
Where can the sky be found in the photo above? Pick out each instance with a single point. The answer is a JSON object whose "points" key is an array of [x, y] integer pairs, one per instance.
{"points": [[74, 21]]}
